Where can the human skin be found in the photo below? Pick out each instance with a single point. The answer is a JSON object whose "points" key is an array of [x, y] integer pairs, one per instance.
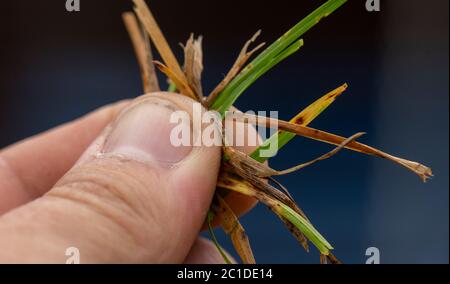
{"points": [[110, 185]]}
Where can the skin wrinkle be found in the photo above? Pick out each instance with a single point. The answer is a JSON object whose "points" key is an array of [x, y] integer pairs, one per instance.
{"points": [[100, 249], [136, 239], [140, 184], [92, 208], [92, 204], [13, 174], [102, 178], [96, 187]]}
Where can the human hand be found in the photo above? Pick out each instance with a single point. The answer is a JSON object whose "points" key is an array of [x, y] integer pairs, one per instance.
{"points": [[131, 198]]}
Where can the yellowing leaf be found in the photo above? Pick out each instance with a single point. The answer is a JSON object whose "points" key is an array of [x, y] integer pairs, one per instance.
{"points": [[304, 118]]}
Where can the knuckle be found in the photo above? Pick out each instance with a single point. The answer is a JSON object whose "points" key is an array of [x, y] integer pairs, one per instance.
{"points": [[113, 190]]}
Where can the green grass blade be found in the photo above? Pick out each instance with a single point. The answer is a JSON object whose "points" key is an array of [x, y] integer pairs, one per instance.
{"points": [[305, 227], [233, 184], [210, 218], [265, 60], [172, 88], [304, 118], [223, 103]]}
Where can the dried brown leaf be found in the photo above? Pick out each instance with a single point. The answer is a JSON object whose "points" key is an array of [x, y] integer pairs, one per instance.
{"points": [[281, 187], [329, 259], [181, 86], [143, 53], [422, 171], [266, 194], [234, 229], [152, 77], [333, 259], [246, 163], [323, 259], [243, 57], [151, 26], [193, 65]]}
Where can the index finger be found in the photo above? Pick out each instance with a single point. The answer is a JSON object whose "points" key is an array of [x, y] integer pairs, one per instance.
{"points": [[31, 167]]}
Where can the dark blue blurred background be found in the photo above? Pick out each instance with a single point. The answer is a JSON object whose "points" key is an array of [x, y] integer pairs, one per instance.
{"points": [[56, 66]]}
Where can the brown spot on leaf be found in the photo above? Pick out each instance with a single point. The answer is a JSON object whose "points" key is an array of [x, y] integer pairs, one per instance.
{"points": [[300, 121]]}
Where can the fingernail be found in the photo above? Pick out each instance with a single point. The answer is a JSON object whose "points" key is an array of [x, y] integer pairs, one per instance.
{"points": [[143, 133]]}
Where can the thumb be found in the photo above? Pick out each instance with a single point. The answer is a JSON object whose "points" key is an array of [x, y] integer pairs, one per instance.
{"points": [[133, 197]]}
